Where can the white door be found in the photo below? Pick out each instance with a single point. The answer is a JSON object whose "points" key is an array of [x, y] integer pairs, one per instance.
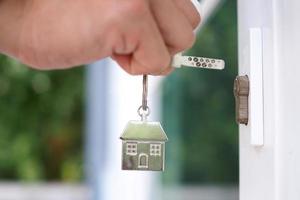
{"points": [[269, 50]]}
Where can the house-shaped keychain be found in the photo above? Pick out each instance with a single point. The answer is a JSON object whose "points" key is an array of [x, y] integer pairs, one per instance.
{"points": [[143, 142], [143, 146]]}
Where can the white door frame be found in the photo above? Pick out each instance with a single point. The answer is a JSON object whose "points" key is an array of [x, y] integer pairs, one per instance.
{"points": [[272, 171]]}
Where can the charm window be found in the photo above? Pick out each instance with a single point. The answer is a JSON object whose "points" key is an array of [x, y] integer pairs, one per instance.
{"points": [[155, 149], [131, 149]]}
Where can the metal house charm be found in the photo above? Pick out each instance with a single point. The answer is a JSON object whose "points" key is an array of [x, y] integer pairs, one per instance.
{"points": [[143, 142], [143, 146]]}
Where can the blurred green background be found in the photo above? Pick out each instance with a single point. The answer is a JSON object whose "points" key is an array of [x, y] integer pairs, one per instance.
{"points": [[198, 108], [41, 120], [41, 123]]}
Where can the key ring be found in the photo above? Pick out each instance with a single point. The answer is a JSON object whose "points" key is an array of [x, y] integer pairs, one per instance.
{"points": [[144, 110]]}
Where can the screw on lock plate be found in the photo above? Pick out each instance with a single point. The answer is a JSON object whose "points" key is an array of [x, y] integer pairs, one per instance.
{"points": [[197, 62]]}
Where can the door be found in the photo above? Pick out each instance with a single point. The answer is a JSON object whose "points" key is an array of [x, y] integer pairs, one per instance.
{"points": [[269, 45], [143, 161]]}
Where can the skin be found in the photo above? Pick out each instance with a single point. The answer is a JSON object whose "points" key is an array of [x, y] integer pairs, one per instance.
{"points": [[140, 35]]}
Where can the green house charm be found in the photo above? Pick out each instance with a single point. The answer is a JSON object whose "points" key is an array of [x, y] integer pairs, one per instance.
{"points": [[143, 146]]}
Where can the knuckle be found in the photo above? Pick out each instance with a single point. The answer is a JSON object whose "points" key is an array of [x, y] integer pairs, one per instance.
{"points": [[27, 57], [196, 19], [29, 54], [135, 8], [160, 65], [167, 71], [191, 40], [36, 59], [185, 43], [133, 71], [154, 67]]}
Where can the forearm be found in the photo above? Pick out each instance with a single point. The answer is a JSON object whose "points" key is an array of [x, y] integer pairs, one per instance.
{"points": [[11, 15]]}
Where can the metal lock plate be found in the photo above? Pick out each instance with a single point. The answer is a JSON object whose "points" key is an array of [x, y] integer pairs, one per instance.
{"points": [[241, 93]]}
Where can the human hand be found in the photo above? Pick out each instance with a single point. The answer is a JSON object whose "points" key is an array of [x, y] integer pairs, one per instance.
{"points": [[141, 35]]}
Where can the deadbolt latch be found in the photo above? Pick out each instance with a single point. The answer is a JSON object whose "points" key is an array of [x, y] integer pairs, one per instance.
{"points": [[241, 93]]}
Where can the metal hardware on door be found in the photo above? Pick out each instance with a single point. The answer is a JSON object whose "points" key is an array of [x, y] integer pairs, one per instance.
{"points": [[241, 93]]}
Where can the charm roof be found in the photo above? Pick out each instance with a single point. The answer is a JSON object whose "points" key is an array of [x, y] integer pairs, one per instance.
{"points": [[148, 131]]}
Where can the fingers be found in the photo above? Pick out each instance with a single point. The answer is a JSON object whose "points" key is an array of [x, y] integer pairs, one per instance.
{"points": [[167, 71], [189, 10], [174, 26], [148, 41], [150, 54]]}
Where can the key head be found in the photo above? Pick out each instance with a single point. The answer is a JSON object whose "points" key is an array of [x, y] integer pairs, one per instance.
{"points": [[197, 62]]}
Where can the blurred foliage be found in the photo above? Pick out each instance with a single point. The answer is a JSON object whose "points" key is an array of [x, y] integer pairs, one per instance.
{"points": [[199, 109], [40, 123], [41, 118]]}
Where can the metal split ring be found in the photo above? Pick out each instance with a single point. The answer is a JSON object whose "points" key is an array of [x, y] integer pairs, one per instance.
{"points": [[145, 92], [143, 113], [144, 110]]}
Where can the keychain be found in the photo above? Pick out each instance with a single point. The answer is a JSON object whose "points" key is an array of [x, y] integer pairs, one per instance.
{"points": [[143, 142]]}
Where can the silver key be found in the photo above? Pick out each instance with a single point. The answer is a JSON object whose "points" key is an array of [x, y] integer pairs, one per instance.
{"points": [[197, 62]]}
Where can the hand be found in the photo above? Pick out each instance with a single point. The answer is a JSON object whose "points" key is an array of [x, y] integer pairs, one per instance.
{"points": [[141, 35]]}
